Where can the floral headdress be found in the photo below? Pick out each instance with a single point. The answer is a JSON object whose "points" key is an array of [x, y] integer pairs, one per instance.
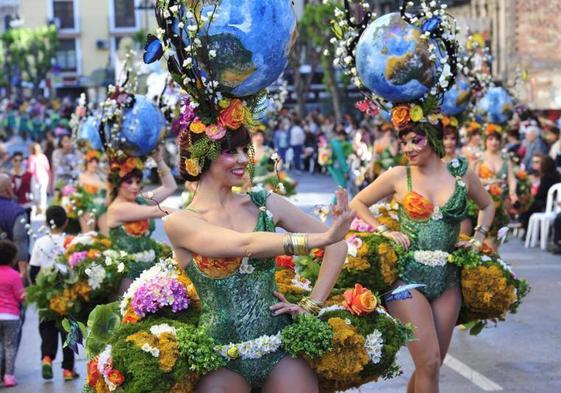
{"points": [[92, 155], [211, 111], [435, 26]]}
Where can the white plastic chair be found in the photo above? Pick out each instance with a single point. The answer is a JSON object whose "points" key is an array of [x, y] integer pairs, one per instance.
{"points": [[539, 224]]}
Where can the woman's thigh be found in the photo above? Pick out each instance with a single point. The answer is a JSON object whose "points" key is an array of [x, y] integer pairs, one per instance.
{"points": [[417, 311], [291, 375], [446, 309], [223, 381]]}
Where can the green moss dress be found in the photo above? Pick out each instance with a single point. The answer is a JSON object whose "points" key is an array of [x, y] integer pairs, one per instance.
{"points": [[440, 231], [136, 237], [236, 295]]}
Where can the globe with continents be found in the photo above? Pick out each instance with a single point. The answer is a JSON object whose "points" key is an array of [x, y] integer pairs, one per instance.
{"points": [[456, 100], [252, 40], [142, 127], [394, 62], [496, 106], [89, 131]]}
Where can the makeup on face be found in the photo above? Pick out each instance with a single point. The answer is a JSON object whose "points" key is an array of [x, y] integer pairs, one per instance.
{"points": [[234, 161], [413, 142]]}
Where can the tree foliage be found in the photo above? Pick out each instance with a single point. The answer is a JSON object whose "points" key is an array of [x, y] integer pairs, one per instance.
{"points": [[28, 54]]}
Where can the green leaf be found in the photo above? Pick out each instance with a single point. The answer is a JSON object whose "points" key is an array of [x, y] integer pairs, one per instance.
{"points": [[102, 322], [66, 325]]}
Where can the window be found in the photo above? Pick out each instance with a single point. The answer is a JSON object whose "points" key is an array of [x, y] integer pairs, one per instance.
{"points": [[63, 12], [66, 55], [125, 14]]}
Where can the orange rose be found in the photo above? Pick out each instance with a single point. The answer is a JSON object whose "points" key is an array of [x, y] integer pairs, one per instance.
{"points": [[116, 377], [400, 116], [521, 175], [485, 172], [128, 166], [486, 249], [93, 372], [90, 189], [234, 115], [137, 228], [359, 300], [417, 206], [495, 190], [318, 253], [285, 261]]}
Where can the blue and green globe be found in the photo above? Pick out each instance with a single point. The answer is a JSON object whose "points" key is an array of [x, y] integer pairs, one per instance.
{"points": [[252, 40], [456, 100], [496, 106], [89, 131], [394, 62], [142, 127]]}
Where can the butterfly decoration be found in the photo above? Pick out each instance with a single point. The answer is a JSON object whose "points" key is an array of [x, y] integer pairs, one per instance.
{"points": [[153, 50]]}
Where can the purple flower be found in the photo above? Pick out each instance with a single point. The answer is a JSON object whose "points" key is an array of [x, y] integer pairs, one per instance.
{"points": [[77, 258], [158, 293], [68, 190], [187, 114]]}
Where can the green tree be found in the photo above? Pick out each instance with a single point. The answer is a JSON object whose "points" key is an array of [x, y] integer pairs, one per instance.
{"points": [[29, 52], [315, 31]]}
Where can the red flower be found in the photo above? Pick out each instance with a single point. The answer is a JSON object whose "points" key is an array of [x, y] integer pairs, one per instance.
{"points": [[93, 372], [116, 377], [285, 262], [318, 253]]}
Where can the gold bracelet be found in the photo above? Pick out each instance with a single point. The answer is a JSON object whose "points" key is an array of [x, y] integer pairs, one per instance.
{"points": [[300, 243], [310, 306], [288, 245]]}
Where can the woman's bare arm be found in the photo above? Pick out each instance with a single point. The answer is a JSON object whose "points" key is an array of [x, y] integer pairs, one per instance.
{"points": [[188, 231], [119, 213], [486, 206], [295, 220]]}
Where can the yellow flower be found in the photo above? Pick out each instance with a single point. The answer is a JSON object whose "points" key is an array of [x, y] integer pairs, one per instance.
{"points": [[192, 167], [343, 364], [416, 113], [169, 351], [233, 352], [454, 122], [197, 127], [388, 263], [356, 263], [224, 103]]}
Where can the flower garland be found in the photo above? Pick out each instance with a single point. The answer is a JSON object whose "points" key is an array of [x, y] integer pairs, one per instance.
{"points": [[252, 349], [432, 258]]}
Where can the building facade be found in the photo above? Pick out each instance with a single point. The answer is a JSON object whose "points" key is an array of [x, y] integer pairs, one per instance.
{"points": [[90, 32]]}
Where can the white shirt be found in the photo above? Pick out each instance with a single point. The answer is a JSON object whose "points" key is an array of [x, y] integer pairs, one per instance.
{"points": [[297, 136], [47, 249]]}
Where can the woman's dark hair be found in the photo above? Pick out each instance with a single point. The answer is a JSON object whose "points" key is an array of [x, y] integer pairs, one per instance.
{"points": [[56, 215], [134, 174], [61, 139], [232, 140], [435, 137], [450, 130], [8, 252], [514, 133], [548, 168]]}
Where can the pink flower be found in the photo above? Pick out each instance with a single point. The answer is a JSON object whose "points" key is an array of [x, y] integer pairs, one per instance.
{"points": [[367, 107], [360, 226], [68, 190], [215, 132], [77, 258]]}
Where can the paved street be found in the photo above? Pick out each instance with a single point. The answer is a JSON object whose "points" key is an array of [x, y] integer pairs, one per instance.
{"points": [[520, 356]]}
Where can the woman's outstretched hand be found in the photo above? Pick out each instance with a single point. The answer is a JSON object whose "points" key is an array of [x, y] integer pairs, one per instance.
{"points": [[400, 238], [343, 216]]}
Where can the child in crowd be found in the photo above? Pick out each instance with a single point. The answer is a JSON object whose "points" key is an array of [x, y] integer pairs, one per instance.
{"points": [[11, 296], [45, 252]]}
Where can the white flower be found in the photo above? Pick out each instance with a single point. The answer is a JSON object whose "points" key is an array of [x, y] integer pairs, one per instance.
{"points": [[486, 258], [145, 256], [436, 214], [151, 350], [253, 349], [212, 53], [96, 274], [335, 307], [431, 258], [121, 267], [461, 183], [104, 359], [302, 283], [158, 330], [246, 267], [374, 344], [85, 239], [455, 163], [502, 233]]}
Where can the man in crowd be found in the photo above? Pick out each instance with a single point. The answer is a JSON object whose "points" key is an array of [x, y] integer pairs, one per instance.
{"points": [[297, 141], [534, 145]]}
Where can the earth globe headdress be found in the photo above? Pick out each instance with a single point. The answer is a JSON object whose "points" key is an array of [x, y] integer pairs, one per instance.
{"points": [[223, 54], [403, 62]]}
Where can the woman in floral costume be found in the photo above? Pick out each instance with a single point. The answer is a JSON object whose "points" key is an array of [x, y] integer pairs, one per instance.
{"points": [[429, 227], [227, 244], [131, 215], [92, 184], [497, 175]]}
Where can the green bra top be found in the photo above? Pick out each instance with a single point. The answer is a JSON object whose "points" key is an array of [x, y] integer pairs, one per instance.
{"points": [[439, 230]]}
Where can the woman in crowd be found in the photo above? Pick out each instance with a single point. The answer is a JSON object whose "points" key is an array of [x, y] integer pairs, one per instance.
{"points": [[66, 162], [130, 215], [92, 183], [430, 220], [38, 166], [496, 173]]}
